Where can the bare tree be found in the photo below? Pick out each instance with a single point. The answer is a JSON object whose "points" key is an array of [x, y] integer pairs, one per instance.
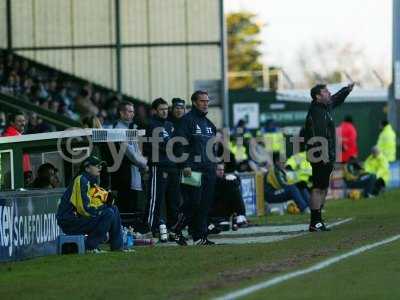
{"points": [[332, 62]]}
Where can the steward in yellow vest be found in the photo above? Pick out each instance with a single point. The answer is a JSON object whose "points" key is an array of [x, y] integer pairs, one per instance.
{"points": [[301, 169], [273, 137], [387, 142], [239, 151], [378, 165]]}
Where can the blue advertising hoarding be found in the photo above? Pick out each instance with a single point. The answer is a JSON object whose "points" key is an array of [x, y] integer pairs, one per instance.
{"points": [[248, 188], [28, 225]]}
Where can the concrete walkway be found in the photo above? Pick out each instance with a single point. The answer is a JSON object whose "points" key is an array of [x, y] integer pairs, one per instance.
{"points": [[261, 234]]}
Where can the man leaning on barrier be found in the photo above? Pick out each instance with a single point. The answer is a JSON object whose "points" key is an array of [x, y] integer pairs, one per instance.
{"points": [[86, 208], [127, 179]]}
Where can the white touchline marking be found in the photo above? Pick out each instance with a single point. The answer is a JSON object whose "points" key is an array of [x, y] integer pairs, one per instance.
{"points": [[339, 222], [270, 239], [324, 264]]}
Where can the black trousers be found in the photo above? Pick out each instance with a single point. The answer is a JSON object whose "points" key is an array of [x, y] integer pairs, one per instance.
{"points": [[366, 182], [127, 201], [164, 197], [97, 227], [321, 174], [227, 200], [196, 204], [379, 186]]}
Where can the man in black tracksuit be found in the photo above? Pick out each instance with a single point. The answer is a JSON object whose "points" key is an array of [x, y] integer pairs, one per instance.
{"points": [[164, 175], [178, 110], [198, 132], [320, 140]]}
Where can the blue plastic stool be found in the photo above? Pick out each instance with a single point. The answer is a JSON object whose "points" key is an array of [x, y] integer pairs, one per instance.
{"points": [[78, 240]]}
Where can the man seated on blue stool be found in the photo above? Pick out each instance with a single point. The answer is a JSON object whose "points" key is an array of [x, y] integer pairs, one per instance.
{"points": [[86, 208]]}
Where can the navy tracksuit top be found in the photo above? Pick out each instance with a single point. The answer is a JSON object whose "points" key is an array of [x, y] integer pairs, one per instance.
{"points": [[197, 129], [166, 131]]}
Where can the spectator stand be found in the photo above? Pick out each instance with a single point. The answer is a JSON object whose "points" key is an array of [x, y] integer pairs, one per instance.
{"points": [[13, 104], [57, 91]]}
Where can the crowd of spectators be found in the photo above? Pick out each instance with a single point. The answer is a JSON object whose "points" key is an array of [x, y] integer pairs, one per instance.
{"points": [[51, 90]]}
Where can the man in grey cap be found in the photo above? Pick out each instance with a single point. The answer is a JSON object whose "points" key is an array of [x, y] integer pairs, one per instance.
{"points": [[86, 208]]}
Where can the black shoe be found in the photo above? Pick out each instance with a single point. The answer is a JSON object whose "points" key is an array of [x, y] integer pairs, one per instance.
{"points": [[180, 224], [234, 225], [163, 241], [171, 237], [212, 229], [317, 227], [224, 225], [203, 242], [180, 239]]}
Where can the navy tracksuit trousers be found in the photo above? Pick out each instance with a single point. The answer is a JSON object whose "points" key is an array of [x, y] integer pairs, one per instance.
{"points": [[196, 204], [165, 197], [97, 227]]}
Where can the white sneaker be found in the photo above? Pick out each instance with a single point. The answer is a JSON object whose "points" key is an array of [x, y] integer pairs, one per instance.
{"points": [[128, 250], [163, 233], [241, 219], [96, 251], [224, 226]]}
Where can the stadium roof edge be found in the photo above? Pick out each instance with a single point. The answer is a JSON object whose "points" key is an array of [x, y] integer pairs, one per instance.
{"points": [[358, 95]]}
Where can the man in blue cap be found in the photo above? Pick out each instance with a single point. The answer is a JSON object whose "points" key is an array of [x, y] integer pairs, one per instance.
{"points": [[86, 208], [177, 112]]}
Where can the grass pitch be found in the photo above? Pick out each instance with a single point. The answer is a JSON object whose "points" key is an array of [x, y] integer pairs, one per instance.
{"points": [[203, 273]]}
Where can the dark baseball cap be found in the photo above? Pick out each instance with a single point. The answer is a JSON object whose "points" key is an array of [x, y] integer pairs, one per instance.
{"points": [[178, 102], [93, 161]]}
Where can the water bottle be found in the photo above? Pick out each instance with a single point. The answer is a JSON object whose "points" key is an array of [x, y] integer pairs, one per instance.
{"points": [[163, 233], [124, 237], [130, 238]]}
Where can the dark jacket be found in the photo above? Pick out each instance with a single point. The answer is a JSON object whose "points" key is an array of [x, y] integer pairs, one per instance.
{"points": [[166, 128], [174, 121], [197, 130], [227, 198], [319, 123]]}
